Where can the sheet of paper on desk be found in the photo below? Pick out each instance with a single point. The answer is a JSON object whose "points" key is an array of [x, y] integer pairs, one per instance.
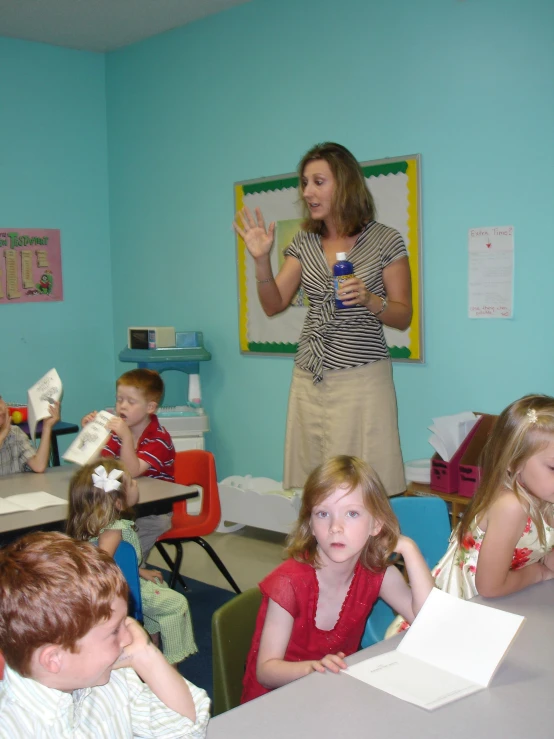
{"points": [[40, 397], [90, 440], [29, 502], [412, 680], [452, 649]]}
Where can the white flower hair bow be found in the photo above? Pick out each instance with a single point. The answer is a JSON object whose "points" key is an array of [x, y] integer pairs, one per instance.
{"points": [[104, 481], [532, 415]]}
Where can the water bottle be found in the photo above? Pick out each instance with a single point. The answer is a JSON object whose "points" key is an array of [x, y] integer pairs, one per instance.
{"points": [[342, 270]]}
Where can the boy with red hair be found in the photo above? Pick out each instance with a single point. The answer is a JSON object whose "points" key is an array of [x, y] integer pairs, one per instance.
{"points": [[76, 664], [142, 444]]}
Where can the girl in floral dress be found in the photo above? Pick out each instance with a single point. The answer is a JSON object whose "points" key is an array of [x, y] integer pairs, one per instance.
{"points": [[505, 539], [101, 497]]}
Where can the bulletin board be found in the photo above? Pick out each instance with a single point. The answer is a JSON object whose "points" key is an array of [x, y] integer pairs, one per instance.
{"points": [[395, 186], [30, 265]]}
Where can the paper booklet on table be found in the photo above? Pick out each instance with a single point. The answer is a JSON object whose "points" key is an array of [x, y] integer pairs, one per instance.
{"points": [[40, 397], [90, 440], [452, 649], [28, 502]]}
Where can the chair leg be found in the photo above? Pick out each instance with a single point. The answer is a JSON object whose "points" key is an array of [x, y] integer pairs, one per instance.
{"points": [[177, 566], [173, 567], [218, 563]]}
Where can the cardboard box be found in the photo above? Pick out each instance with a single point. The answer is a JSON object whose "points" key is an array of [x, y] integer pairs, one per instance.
{"points": [[445, 475], [469, 470]]}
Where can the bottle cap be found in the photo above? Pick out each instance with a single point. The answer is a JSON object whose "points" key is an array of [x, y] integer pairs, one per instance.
{"points": [[341, 256]]}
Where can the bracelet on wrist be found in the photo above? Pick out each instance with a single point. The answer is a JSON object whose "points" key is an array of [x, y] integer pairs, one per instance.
{"points": [[267, 279], [384, 303]]}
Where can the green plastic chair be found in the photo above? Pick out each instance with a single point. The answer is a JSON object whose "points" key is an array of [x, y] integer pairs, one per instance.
{"points": [[232, 630]]}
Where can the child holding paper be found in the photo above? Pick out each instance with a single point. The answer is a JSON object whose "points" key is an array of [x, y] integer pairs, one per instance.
{"points": [[505, 539], [17, 454], [315, 605], [140, 441], [76, 665], [101, 496]]}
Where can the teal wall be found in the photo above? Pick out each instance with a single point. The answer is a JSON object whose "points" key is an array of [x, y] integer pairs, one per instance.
{"points": [[242, 95], [53, 174]]}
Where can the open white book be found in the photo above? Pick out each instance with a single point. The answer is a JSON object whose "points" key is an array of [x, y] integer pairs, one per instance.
{"points": [[452, 649], [90, 440], [29, 502], [40, 397]]}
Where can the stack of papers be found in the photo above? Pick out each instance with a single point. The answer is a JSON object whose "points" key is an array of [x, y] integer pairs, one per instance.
{"points": [[452, 649], [449, 432], [28, 502], [91, 439], [40, 397]]}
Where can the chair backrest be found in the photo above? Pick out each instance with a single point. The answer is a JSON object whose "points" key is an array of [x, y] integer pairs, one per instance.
{"points": [[126, 559], [232, 630], [426, 521], [197, 467]]}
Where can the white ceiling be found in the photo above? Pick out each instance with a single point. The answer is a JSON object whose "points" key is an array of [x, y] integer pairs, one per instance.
{"points": [[100, 25]]}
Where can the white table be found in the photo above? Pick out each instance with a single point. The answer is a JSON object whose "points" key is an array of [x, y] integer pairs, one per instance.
{"points": [[519, 703], [155, 496]]}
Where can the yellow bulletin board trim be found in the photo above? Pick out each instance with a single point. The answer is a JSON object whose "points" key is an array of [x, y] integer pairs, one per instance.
{"points": [[414, 256], [241, 266]]}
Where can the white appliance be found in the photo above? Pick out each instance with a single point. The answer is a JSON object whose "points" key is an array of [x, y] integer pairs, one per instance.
{"points": [[150, 337]]}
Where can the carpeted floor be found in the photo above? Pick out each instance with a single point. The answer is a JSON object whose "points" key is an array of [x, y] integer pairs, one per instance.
{"points": [[203, 601]]}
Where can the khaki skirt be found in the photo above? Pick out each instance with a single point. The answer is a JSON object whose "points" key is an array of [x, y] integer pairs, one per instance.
{"points": [[351, 411]]}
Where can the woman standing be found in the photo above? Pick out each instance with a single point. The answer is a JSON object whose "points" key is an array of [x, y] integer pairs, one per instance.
{"points": [[342, 398]]}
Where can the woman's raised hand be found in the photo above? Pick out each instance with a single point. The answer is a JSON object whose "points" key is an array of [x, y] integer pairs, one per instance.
{"points": [[257, 238]]}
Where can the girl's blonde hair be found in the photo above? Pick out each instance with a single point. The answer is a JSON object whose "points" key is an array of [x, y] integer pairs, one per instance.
{"points": [[349, 472], [522, 430], [92, 509], [352, 205]]}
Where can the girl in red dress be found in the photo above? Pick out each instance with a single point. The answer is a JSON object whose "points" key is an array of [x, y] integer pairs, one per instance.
{"points": [[315, 605]]}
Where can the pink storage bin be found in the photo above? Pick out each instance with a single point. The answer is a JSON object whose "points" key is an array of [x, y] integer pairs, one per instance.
{"points": [[445, 475]]}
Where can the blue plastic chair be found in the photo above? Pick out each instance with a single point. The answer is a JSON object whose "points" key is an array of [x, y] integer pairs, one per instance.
{"points": [[426, 521], [126, 559]]}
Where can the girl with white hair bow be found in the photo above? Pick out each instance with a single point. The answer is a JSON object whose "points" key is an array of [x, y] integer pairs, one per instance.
{"points": [[101, 498]]}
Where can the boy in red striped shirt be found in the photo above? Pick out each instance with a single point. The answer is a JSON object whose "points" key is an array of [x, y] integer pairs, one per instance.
{"points": [[142, 444]]}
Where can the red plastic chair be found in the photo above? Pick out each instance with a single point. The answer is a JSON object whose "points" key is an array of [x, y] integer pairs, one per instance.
{"points": [[194, 467]]}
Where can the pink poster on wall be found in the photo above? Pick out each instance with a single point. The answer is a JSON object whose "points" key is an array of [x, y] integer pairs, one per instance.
{"points": [[30, 265]]}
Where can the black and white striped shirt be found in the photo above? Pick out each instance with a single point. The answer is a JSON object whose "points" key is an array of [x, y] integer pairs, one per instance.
{"points": [[350, 337]]}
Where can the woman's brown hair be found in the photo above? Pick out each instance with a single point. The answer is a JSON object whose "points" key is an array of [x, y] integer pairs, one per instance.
{"points": [[92, 509], [350, 473], [353, 206], [522, 430]]}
